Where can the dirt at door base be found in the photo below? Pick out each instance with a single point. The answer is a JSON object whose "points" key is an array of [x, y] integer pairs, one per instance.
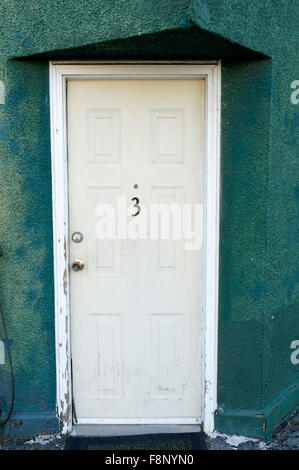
{"points": [[185, 441]]}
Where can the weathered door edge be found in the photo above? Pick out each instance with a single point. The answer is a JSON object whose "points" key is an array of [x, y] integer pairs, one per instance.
{"points": [[60, 72]]}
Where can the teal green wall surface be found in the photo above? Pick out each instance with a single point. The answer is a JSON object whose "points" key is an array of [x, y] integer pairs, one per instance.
{"points": [[258, 43]]}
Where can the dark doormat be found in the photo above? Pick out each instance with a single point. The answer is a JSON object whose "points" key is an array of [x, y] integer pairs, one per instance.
{"points": [[172, 441]]}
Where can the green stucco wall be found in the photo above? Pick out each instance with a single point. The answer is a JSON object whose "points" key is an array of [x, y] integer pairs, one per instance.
{"points": [[259, 263]]}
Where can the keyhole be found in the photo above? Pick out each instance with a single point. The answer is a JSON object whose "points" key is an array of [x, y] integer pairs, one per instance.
{"points": [[135, 186]]}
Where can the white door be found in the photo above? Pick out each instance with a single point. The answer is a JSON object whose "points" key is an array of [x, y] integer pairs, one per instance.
{"points": [[136, 305]]}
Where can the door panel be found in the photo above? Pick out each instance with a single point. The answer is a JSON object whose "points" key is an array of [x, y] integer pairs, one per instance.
{"points": [[135, 307]]}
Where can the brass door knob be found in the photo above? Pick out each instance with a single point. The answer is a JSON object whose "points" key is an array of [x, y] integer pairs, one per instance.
{"points": [[77, 265]]}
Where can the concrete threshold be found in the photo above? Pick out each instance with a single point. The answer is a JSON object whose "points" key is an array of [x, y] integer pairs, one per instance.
{"points": [[108, 430]]}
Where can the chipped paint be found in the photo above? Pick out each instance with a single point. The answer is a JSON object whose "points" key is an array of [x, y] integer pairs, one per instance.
{"points": [[65, 282], [66, 326], [2, 92], [65, 404], [65, 414]]}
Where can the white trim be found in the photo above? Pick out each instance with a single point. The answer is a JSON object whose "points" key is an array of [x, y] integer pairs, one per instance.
{"points": [[60, 72], [212, 246], [60, 246]]}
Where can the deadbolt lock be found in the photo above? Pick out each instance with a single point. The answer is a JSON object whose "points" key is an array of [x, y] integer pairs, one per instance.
{"points": [[77, 265], [77, 237]]}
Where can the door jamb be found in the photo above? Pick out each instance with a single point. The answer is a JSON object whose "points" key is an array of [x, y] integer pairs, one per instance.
{"points": [[60, 72]]}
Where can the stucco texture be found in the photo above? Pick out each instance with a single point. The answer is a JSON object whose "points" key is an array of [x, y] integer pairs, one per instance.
{"points": [[259, 261]]}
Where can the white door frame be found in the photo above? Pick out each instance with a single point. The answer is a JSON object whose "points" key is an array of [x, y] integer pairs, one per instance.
{"points": [[60, 73]]}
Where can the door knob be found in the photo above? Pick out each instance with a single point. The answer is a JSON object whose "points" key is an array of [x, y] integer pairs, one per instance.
{"points": [[77, 265]]}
